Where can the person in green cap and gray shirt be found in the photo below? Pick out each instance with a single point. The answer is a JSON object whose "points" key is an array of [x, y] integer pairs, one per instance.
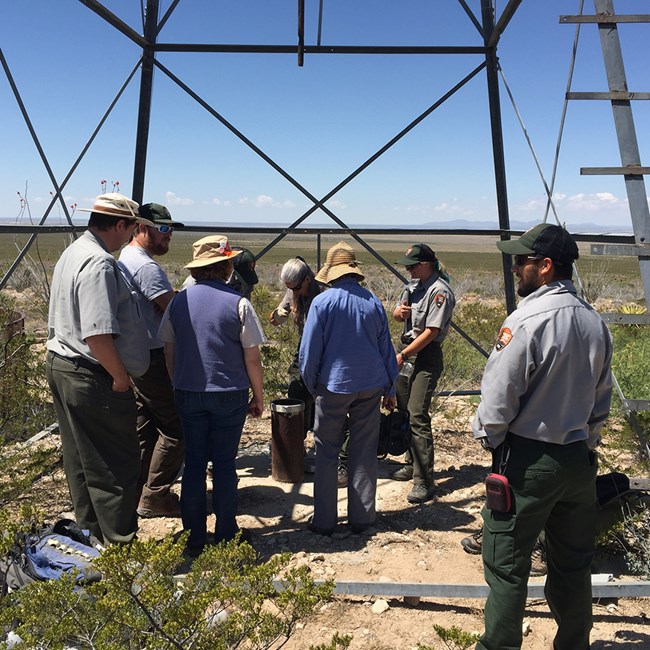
{"points": [[425, 309], [546, 392], [159, 427]]}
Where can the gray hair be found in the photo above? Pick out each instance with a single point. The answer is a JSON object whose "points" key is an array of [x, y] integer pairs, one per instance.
{"points": [[294, 271]]}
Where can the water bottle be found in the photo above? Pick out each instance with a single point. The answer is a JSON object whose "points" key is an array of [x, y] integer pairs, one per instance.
{"points": [[407, 369]]}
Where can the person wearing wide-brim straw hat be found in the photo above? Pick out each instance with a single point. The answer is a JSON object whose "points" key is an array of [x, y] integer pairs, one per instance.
{"points": [[212, 337], [425, 308], [98, 340], [348, 363]]}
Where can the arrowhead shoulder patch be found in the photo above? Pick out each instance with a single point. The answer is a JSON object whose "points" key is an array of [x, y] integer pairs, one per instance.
{"points": [[504, 337]]}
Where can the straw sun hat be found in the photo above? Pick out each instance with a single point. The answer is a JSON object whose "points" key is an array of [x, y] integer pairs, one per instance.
{"points": [[341, 260], [117, 205], [210, 250]]}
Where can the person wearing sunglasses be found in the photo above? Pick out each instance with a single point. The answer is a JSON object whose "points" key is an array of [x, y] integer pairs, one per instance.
{"points": [[302, 288], [159, 427], [426, 308], [546, 393]]}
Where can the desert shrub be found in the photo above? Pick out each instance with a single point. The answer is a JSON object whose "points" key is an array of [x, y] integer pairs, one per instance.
{"points": [[23, 406], [454, 638], [226, 600]]}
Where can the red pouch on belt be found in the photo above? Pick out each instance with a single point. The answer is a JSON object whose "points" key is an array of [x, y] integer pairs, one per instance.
{"points": [[497, 492]]}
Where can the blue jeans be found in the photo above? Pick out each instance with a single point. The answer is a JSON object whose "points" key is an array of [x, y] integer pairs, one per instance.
{"points": [[212, 425]]}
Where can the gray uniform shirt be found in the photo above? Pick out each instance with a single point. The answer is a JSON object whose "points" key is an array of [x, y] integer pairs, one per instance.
{"points": [[432, 305], [150, 281], [89, 297], [549, 375]]}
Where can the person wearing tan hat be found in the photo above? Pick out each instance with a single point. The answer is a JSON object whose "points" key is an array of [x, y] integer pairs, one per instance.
{"points": [[212, 337], [97, 340], [347, 362], [159, 427]]}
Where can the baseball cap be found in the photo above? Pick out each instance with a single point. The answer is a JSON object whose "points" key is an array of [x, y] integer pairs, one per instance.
{"points": [[544, 239], [417, 253], [158, 214], [245, 265]]}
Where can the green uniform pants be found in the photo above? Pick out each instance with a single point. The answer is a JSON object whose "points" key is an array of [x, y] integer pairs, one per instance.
{"points": [[553, 489], [414, 393], [101, 457]]}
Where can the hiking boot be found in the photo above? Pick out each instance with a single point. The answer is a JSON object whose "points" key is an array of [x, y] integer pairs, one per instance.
{"points": [[420, 493], [538, 560], [404, 473], [166, 506], [473, 544], [342, 479]]}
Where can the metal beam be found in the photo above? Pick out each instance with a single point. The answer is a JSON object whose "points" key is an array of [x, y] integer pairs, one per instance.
{"points": [[318, 49], [634, 170], [113, 20], [606, 19], [144, 105], [626, 134], [617, 95], [502, 23], [492, 68]]}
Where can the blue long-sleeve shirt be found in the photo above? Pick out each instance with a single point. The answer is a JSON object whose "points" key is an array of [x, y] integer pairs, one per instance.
{"points": [[346, 343]]}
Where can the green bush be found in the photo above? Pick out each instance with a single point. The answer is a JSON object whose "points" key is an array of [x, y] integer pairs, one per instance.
{"points": [[226, 600]]}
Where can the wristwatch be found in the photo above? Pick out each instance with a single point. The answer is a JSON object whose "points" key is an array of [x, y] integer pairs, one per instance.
{"points": [[404, 357]]}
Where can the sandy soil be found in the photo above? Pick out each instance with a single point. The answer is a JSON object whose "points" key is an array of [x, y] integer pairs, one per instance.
{"points": [[409, 544]]}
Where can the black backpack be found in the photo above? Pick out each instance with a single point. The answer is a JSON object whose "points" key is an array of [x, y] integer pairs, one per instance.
{"points": [[394, 433], [48, 553]]}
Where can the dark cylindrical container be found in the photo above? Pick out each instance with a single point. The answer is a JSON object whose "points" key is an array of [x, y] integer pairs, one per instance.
{"points": [[287, 440]]}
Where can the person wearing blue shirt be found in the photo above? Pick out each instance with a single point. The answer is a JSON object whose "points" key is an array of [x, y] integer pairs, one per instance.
{"points": [[348, 363]]}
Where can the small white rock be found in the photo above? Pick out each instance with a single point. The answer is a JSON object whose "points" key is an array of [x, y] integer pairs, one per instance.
{"points": [[525, 627], [380, 606]]}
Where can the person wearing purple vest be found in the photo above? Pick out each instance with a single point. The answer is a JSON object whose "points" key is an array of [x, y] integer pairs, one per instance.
{"points": [[212, 337]]}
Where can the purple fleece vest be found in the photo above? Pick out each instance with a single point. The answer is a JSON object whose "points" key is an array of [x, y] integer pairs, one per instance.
{"points": [[209, 356]]}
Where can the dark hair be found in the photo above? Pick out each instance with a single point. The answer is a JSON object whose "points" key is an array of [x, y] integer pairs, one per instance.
{"points": [[563, 271], [104, 222], [217, 271]]}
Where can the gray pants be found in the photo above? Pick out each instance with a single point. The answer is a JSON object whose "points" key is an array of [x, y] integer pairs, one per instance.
{"points": [[100, 448], [159, 431], [331, 409]]}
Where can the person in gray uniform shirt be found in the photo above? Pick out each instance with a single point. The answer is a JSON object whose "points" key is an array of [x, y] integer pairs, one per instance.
{"points": [[546, 392], [97, 341], [159, 427]]}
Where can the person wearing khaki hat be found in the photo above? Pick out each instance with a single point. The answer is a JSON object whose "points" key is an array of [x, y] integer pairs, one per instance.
{"points": [[97, 341], [159, 427], [546, 393], [212, 337], [426, 308], [347, 362]]}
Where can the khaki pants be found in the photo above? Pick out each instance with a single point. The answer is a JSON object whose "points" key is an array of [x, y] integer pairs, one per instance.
{"points": [[159, 430]]}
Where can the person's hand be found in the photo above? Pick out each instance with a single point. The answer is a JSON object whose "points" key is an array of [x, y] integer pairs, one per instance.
{"points": [[400, 360], [403, 311], [255, 407], [389, 402], [121, 384]]}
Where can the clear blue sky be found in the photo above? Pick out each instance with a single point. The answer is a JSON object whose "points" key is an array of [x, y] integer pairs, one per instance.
{"points": [[320, 121]]}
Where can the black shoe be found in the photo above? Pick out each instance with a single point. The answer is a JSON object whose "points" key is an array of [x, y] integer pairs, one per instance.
{"points": [[325, 532], [420, 493], [473, 544], [403, 473]]}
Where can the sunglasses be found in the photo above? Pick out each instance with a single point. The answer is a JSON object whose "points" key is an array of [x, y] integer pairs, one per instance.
{"points": [[412, 266], [298, 287], [163, 229], [520, 260]]}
